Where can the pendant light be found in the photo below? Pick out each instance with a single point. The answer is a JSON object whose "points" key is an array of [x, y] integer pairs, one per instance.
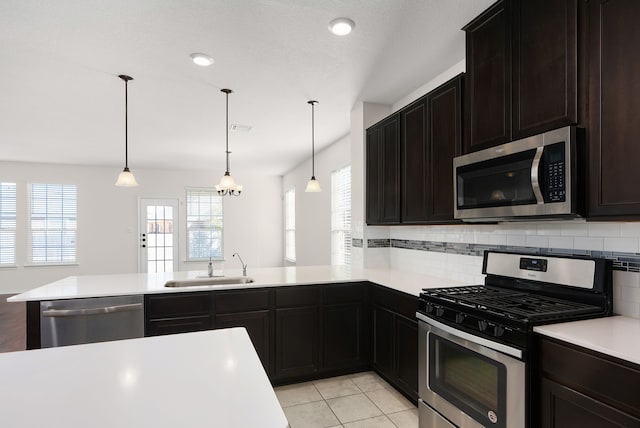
{"points": [[227, 184], [313, 185], [126, 178]]}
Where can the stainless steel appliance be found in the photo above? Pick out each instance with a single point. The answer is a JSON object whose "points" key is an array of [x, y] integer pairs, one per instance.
{"points": [[529, 178], [476, 343], [75, 321]]}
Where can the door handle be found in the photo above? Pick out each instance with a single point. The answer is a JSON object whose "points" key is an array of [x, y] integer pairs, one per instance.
{"points": [[535, 175], [52, 311]]}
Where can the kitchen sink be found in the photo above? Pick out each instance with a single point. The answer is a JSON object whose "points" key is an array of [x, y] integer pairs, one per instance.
{"points": [[209, 281]]}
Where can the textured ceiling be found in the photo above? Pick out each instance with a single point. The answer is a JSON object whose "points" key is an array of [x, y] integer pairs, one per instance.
{"points": [[61, 100]]}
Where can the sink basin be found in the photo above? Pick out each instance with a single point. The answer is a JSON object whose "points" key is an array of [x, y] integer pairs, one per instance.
{"points": [[205, 282]]}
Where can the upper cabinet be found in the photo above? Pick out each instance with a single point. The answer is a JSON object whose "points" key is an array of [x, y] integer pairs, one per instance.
{"points": [[522, 71], [425, 136], [614, 93]]}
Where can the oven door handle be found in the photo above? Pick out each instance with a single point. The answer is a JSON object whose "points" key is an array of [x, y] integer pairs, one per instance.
{"points": [[517, 353], [535, 175]]}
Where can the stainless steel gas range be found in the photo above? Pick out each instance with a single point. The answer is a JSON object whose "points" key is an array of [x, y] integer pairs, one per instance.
{"points": [[476, 347]]}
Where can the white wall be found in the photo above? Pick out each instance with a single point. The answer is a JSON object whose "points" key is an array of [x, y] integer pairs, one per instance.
{"points": [[108, 219], [313, 210]]}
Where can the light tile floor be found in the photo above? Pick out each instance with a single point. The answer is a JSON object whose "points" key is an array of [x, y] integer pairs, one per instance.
{"points": [[361, 400]]}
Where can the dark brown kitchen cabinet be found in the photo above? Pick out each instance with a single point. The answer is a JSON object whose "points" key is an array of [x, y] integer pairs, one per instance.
{"points": [[445, 143], [248, 309], [344, 327], [395, 339], [297, 332], [176, 313], [488, 79], [545, 66], [579, 387], [383, 172], [415, 163], [614, 91], [522, 71]]}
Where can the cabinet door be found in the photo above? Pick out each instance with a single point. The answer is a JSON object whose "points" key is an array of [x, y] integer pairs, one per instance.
{"points": [[373, 175], [415, 163], [297, 338], [343, 336], [258, 325], [390, 166], [407, 356], [488, 88], [383, 341], [614, 91], [544, 65], [445, 143], [564, 407]]}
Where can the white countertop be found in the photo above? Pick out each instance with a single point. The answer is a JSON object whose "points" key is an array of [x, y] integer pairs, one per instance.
{"points": [[616, 336], [210, 378], [137, 283]]}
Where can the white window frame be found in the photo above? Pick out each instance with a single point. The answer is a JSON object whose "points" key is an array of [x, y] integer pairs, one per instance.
{"points": [[7, 224], [209, 226], [289, 201], [341, 216], [64, 223]]}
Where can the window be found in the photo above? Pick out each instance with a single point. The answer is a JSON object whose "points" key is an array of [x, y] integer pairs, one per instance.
{"points": [[290, 225], [341, 216], [204, 224], [7, 223], [53, 223]]}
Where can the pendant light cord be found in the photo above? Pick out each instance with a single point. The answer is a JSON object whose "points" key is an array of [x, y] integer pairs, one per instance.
{"points": [[227, 91], [126, 124], [313, 144]]}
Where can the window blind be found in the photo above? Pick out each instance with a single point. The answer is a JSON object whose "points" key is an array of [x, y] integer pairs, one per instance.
{"points": [[341, 216], [53, 223], [204, 224], [290, 225], [7, 223]]}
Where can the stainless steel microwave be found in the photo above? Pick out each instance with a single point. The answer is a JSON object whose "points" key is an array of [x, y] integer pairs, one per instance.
{"points": [[532, 178]]}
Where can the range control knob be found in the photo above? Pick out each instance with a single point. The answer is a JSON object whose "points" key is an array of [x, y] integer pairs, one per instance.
{"points": [[439, 311], [429, 308], [482, 325], [498, 330], [460, 318]]}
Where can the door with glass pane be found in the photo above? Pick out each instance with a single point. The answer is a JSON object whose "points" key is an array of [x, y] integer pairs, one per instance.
{"points": [[158, 235]]}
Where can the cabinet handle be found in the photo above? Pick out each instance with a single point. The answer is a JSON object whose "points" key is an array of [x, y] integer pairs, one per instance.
{"points": [[52, 311]]}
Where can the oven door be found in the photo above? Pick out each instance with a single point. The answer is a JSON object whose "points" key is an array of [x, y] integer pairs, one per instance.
{"points": [[466, 381]]}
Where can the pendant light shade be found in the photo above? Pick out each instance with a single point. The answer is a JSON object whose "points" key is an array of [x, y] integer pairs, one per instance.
{"points": [[313, 186], [126, 178], [227, 184]]}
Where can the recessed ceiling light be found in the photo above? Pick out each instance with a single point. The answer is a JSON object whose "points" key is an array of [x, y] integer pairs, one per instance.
{"points": [[341, 26], [203, 60]]}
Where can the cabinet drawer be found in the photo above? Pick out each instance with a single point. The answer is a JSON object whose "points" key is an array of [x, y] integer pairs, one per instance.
{"points": [[613, 382], [343, 293], [178, 304], [228, 302], [177, 325], [396, 301], [300, 295]]}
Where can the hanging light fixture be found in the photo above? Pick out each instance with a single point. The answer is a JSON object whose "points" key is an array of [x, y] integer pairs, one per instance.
{"points": [[313, 185], [227, 184], [126, 178]]}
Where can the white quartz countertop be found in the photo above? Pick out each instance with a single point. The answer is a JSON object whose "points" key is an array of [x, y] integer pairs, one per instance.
{"points": [[211, 378], [616, 336], [136, 283]]}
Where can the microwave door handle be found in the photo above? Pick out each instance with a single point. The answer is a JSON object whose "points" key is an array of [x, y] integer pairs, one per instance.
{"points": [[535, 175]]}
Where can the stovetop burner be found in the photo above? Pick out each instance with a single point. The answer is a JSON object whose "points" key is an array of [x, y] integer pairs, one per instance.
{"points": [[511, 304]]}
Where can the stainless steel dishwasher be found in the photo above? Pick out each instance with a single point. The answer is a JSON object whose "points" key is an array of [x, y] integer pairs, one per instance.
{"points": [[100, 319]]}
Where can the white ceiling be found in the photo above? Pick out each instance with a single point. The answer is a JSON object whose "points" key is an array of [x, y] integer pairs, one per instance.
{"points": [[62, 102]]}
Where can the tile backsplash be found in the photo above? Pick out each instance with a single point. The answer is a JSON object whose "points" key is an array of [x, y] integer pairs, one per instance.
{"points": [[456, 251]]}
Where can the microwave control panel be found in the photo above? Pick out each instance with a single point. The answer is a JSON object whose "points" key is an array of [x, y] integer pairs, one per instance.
{"points": [[554, 170]]}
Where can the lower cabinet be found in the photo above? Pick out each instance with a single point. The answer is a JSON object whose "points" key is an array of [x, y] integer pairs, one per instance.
{"points": [[395, 339], [579, 387]]}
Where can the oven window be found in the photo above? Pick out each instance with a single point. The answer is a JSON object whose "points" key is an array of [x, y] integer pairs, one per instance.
{"points": [[503, 181], [470, 381]]}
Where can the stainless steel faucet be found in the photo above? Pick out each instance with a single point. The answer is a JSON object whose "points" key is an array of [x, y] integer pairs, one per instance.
{"points": [[244, 266]]}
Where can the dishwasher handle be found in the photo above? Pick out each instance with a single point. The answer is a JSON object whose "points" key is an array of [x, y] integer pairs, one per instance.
{"points": [[52, 311]]}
